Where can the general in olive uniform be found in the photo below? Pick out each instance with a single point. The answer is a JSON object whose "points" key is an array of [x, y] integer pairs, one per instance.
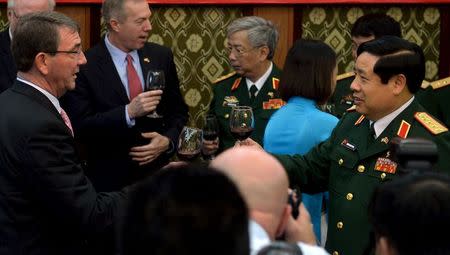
{"points": [[357, 157], [251, 42], [438, 99], [231, 91]]}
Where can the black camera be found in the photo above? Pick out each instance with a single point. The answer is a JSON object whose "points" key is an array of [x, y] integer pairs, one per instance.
{"points": [[294, 199], [414, 154]]}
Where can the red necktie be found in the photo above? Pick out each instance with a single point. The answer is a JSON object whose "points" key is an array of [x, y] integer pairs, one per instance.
{"points": [[66, 120], [134, 84]]}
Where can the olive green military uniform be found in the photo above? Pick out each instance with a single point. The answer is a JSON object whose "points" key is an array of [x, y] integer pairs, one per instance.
{"points": [[231, 91], [441, 89], [427, 97], [342, 98], [350, 167]]}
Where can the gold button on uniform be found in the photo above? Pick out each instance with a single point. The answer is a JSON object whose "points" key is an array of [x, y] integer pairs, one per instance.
{"points": [[349, 196], [341, 161], [383, 175], [361, 168], [335, 253], [340, 225], [227, 116]]}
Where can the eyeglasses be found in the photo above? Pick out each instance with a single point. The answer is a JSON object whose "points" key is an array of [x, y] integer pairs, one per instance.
{"points": [[76, 53], [239, 51]]}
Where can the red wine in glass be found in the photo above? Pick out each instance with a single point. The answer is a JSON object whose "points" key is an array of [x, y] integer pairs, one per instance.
{"points": [[241, 133]]}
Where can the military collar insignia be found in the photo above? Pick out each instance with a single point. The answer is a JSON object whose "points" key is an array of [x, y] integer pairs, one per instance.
{"points": [[403, 129], [385, 140], [236, 84], [361, 118], [275, 83], [434, 126], [146, 60]]}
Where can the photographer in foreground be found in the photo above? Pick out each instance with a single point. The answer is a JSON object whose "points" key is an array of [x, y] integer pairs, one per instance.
{"points": [[264, 186]]}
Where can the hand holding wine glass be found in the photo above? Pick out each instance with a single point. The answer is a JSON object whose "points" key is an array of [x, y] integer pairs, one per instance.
{"points": [[210, 136], [241, 122], [189, 143], [155, 80]]}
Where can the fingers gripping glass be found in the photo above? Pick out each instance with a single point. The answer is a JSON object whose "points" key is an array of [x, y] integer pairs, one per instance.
{"points": [[241, 122], [155, 80]]}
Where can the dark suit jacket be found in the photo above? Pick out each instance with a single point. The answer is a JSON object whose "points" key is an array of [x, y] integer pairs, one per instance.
{"points": [[47, 205], [8, 69], [97, 110]]}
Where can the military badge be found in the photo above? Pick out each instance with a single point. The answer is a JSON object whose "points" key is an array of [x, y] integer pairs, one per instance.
{"points": [[146, 60], [273, 104], [347, 99], [348, 145], [385, 140], [270, 94], [386, 165], [230, 101]]}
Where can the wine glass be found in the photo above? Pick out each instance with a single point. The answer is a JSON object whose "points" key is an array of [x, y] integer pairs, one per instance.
{"points": [[241, 122], [189, 143], [155, 80], [210, 132]]}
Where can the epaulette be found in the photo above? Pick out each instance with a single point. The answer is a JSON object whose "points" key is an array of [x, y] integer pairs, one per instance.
{"points": [[430, 123], [441, 83], [351, 109], [345, 76], [226, 76], [425, 84]]}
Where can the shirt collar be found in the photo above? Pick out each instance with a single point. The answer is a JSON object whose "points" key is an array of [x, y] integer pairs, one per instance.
{"points": [[258, 236], [50, 97], [381, 124], [118, 55], [260, 82]]}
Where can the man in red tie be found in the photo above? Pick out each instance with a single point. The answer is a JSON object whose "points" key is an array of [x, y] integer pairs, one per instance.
{"points": [[47, 205], [110, 104]]}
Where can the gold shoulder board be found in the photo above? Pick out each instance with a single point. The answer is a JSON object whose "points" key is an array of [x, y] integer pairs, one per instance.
{"points": [[441, 83], [224, 77], [345, 75], [425, 84], [430, 123]]}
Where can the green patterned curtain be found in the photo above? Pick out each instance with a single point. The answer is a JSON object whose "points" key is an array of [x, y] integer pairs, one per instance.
{"points": [[332, 25]]}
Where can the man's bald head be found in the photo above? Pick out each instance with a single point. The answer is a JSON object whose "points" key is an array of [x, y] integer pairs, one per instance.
{"points": [[262, 181]]}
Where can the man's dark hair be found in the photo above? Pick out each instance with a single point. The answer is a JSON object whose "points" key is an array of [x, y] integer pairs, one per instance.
{"points": [[397, 56], [186, 210], [308, 71], [35, 33], [377, 25], [413, 213]]}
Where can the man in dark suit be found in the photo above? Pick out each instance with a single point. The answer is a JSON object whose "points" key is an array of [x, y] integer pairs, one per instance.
{"points": [[47, 205], [251, 43], [357, 156], [109, 108], [16, 9]]}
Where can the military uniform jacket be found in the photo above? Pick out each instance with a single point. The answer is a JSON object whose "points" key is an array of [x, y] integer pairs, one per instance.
{"points": [[342, 98], [346, 164], [233, 91]]}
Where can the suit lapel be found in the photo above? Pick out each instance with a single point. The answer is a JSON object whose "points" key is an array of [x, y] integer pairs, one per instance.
{"points": [[110, 74], [37, 96]]}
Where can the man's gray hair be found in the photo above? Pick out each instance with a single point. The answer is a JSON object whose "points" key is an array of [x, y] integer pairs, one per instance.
{"points": [[51, 4], [261, 32]]}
